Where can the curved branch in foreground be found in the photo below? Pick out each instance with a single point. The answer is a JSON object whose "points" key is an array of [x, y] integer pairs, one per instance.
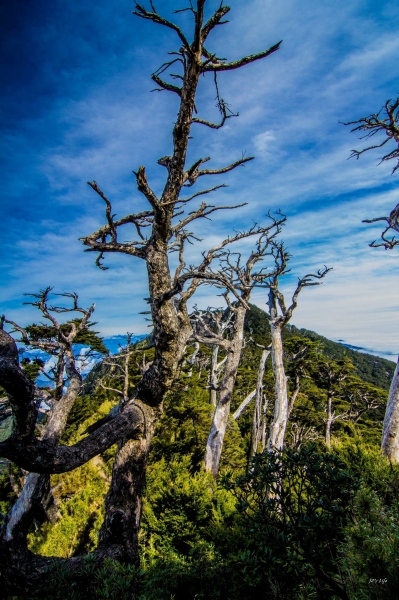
{"points": [[38, 456], [32, 454]]}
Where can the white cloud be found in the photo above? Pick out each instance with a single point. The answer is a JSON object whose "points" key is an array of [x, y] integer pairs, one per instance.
{"points": [[263, 142]]}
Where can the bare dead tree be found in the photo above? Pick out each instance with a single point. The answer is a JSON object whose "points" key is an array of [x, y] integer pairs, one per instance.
{"points": [[56, 339], [301, 434], [220, 322], [160, 229], [387, 123], [331, 376], [238, 279], [114, 362], [261, 403], [280, 315]]}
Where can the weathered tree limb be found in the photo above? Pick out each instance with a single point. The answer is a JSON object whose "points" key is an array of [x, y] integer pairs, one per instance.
{"points": [[244, 404], [374, 124], [214, 21], [237, 64], [36, 455], [164, 85], [141, 12], [192, 175]]}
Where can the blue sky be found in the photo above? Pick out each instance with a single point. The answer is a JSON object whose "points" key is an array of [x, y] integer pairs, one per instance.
{"points": [[76, 106]]}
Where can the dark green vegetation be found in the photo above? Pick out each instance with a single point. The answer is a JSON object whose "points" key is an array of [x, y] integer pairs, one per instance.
{"points": [[298, 524]]}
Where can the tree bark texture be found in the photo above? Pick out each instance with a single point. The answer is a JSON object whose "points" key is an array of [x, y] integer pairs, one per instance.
{"points": [[258, 416], [280, 419], [213, 375], [390, 433]]}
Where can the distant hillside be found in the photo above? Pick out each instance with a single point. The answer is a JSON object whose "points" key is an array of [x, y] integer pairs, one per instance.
{"points": [[140, 342], [372, 369]]}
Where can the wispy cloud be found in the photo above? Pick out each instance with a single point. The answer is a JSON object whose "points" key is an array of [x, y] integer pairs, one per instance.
{"points": [[83, 111]]}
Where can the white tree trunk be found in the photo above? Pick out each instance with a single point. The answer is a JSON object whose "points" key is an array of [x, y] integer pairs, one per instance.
{"points": [[213, 375], [329, 421], [257, 419], [263, 427], [390, 434], [222, 411], [279, 424]]}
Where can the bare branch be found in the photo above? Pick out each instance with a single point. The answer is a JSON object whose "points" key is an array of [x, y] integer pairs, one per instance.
{"points": [[393, 223], [108, 210], [306, 281], [244, 404], [214, 21], [37, 456], [190, 8], [203, 212], [202, 192], [357, 153], [192, 174], [156, 18], [145, 189], [97, 241], [165, 86], [24, 335], [374, 124], [223, 66], [104, 387], [41, 304], [223, 107]]}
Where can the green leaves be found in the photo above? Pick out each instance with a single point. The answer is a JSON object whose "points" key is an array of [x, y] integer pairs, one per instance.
{"points": [[296, 505], [50, 333]]}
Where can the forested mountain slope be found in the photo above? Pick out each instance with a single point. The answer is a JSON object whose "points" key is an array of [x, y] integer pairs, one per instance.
{"points": [[372, 369], [198, 535]]}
